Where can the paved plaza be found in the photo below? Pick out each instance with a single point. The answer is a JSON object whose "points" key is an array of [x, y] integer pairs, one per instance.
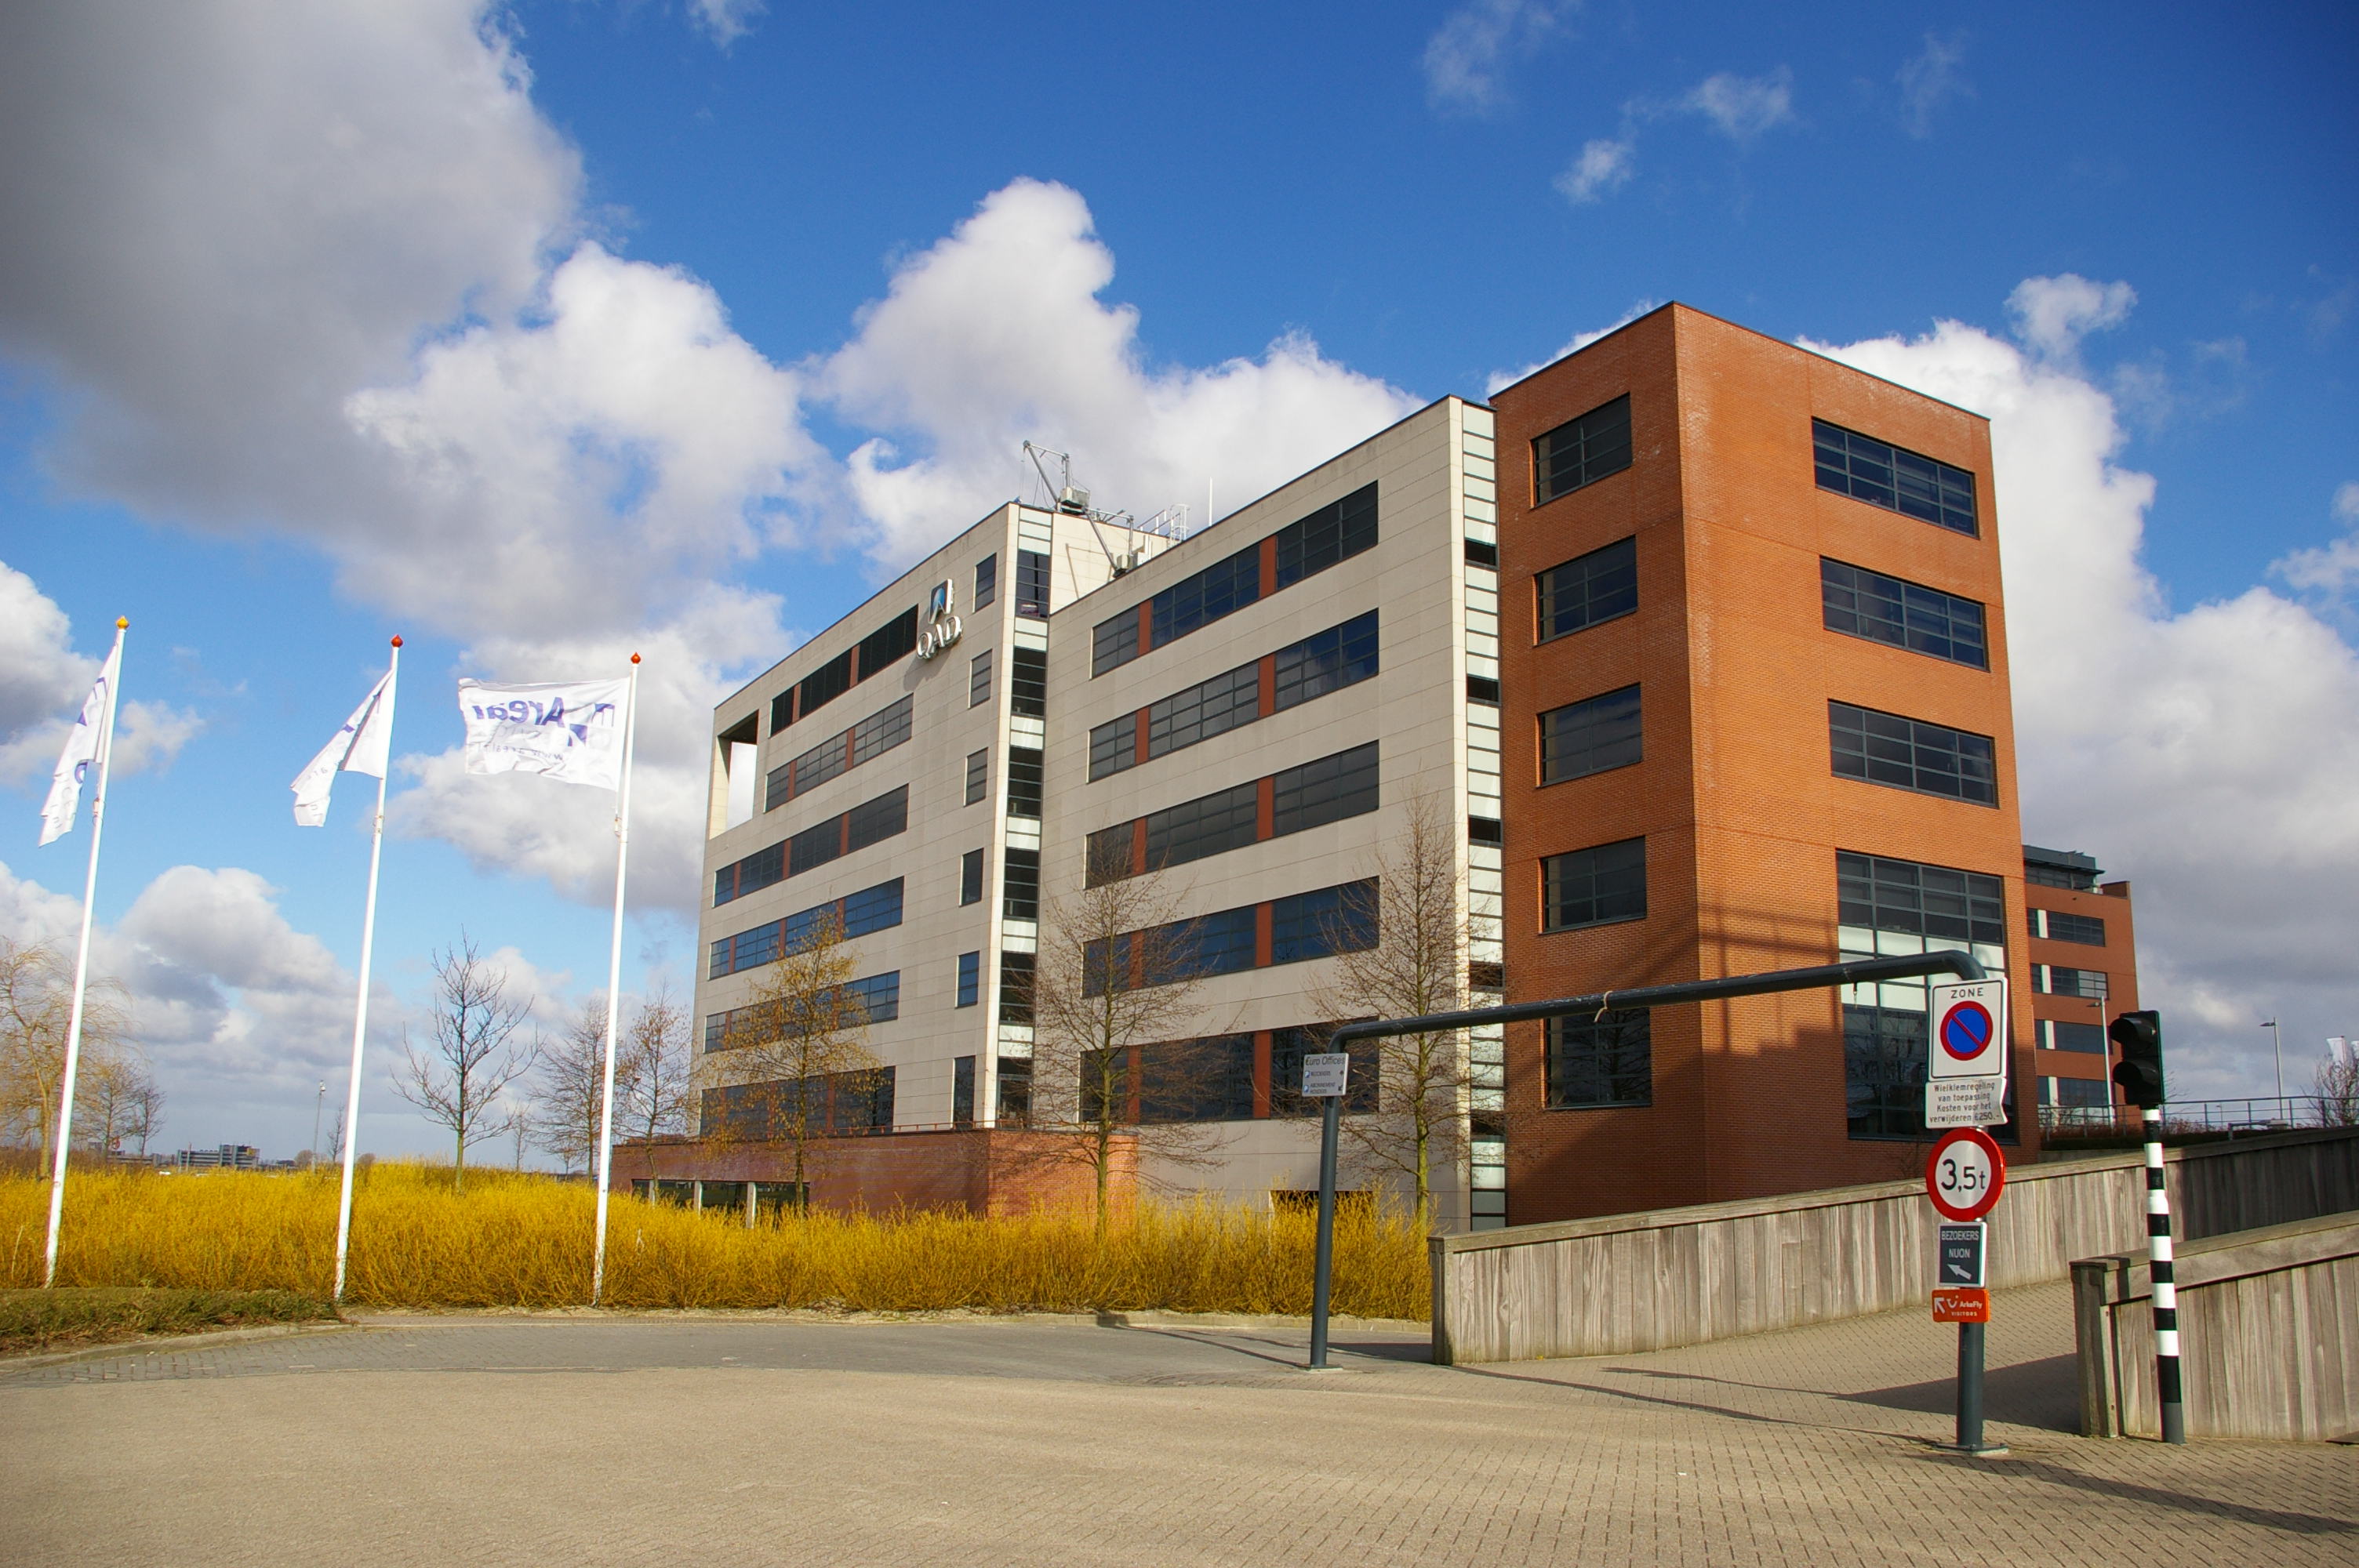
{"points": [[734, 1439]]}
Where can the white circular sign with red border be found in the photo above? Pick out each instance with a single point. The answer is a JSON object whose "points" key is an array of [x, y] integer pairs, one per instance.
{"points": [[1966, 1173]]}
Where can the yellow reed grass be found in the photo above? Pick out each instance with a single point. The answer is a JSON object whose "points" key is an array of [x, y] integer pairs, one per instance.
{"points": [[525, 1241]]}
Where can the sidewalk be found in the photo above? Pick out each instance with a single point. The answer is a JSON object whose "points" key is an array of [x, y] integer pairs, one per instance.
{"points": [[711, 1441]]}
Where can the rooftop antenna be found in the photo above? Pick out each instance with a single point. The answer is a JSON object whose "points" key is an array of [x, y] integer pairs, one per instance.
{"points": [[1060, 495]]}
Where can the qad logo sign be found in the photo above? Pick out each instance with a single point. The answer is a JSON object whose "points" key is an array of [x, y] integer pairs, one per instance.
{"points": [[553, 720]]}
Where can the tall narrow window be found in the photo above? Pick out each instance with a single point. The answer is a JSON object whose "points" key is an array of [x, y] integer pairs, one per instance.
{"points": [[1032, 584], [1600, 585], [971, 877], [1594, 887], [1015, 970], [1582, 451], [986, 580], [1024, 783], [978, 772], [970, 979], [1027, 682], [963, 1091], [1020, 873], [978, 679]]}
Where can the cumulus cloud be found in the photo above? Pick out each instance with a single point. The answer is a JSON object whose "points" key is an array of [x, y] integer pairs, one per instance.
{"points": [[1604, 165], [726, 20], [2206, 752], [1468, 58], [238, 1013], [2051, 315], [1930, 78], [996, 334], [2333, 567], [43, 682]]}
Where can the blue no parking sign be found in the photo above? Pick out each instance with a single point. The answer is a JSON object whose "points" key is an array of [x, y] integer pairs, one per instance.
{"points": [[1966, 1071]]}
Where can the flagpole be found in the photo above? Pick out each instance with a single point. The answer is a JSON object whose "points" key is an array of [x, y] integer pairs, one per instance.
{"points": [[615, 983], [82, 966], [360, 1011]]}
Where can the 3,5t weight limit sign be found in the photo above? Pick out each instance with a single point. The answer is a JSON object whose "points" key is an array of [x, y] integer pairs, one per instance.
{"points": [[1965, 1174]]}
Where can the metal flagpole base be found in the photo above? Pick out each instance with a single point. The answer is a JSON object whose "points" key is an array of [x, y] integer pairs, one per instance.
{"points": [[1975, 1451]]}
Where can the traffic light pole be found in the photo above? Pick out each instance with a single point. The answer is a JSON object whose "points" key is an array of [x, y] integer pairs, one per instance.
{"points": [[2167, 1389]]}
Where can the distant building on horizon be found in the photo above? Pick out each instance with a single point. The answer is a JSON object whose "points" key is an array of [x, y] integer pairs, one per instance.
{"points": [[1695, 639]]}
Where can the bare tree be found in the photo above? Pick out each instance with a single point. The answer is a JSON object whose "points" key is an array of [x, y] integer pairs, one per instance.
{"points": [[2337, 1086], [654, 1089], [119, 1087], [36, 1007], [145, 1116], [458, 1080], [797, 1045], [1402, 955], [566, 1103], [1114, 1010]]}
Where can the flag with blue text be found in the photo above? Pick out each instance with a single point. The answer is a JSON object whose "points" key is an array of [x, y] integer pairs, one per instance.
{"points": [[570, 731], [363, 746], [81, 749]]}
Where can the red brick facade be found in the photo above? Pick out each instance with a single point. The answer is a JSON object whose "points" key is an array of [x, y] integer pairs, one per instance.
{"points": [[1736, 799]]}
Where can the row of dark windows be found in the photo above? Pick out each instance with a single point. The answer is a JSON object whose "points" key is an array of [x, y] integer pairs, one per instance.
{"points": [[1324, 662], [1864, 603], [1334, 533], [1596, 886], [1219, 1078], [1302, 926], [2058, 926], [1024, 782], [857, 1101], [1588, 589], [872, 736], [870, 822], [857, 915], [875, 999], [1912, 754], [1327, 790], [889, 644], [1894, 478], [1938, 902], [2055, 980]]}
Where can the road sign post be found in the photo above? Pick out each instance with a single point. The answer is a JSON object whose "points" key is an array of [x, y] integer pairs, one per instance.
{"points": [[1325, 1078], [1964, 1178]]}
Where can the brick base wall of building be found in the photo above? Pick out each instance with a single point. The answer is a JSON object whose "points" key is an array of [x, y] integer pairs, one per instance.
{"points": [[980, 1171]]}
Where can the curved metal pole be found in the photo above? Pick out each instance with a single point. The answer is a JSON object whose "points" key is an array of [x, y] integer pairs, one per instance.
{"points": [[1950, 961]]}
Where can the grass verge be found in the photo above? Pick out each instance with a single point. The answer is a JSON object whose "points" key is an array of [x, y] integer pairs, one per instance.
{"points": [[64, 1319]]}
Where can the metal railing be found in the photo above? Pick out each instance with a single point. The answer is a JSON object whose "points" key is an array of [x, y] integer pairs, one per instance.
{"points": [[2182, 1117]]}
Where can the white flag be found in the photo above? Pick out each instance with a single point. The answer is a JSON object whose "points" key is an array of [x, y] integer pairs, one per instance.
{"points": [[81, 750], [571, 730], [363, 746]]}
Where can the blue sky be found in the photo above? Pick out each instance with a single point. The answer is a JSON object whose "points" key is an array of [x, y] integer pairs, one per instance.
{"points": [[545, 333]]}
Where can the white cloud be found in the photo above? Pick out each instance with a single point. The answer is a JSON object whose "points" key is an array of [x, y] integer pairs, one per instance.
{"points": [[996, 334], [726, 20], [1930, 78], [1744, 106], [1602, 166], [43, 682], [2051, 315], [1468, 56], [2332, 568], [2205, 752]]}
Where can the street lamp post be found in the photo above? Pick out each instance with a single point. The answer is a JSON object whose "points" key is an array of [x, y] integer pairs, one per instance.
{"points": [[315, 1110], [2276, 1050]]}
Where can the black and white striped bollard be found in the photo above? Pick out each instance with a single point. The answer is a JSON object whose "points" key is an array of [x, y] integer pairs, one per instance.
{"points": [[2167, 1389]]}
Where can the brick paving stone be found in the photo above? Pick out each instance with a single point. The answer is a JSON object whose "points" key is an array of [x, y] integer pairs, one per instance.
{"points": [[488, 1440]]}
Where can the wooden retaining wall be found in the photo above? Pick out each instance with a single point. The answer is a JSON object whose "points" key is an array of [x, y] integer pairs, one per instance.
{"points": [[1623, 1282], [2268, 1334]]}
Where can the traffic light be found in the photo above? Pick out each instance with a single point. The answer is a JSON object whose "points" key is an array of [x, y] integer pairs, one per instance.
{"points": [[2139, 1072]]}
